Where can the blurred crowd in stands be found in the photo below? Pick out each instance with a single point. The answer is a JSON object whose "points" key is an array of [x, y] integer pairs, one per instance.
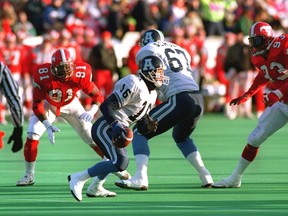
{"points": [[87, 27]]}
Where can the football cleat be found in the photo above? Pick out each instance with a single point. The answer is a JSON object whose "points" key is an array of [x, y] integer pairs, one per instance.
{"points": [[99, 192], [230, 182], [76, 186], [124, 175], [206, 179], [133, 183], [26, 180]]}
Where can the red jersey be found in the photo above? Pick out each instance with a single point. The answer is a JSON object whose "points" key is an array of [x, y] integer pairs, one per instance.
{"points": [[219, 65], [131, 60], [14, 58], [60, 93], [273, 68]]}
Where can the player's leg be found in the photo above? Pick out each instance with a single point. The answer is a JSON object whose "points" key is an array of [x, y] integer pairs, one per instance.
{"points": [[71, 114], [167, 114], [141, 149], [271, 120], [141, 153], [232, 111], [35, 131], [183, 130], [118, 160]]}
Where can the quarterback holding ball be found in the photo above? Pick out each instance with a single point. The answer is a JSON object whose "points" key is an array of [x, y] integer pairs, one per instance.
{"points": [[132, 99]]}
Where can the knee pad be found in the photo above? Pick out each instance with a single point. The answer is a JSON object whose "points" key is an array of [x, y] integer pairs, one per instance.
{"points": [[257, 137], [33, 136]]}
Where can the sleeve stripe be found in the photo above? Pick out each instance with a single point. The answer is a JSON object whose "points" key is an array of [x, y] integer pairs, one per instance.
{"points": [[10, 89]]}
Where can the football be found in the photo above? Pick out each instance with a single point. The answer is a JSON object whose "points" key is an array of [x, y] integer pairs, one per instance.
{"points": [[127, 138]]}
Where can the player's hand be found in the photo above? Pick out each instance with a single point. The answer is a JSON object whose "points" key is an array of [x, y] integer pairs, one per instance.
{"points": [[239, 100], [86, 116], [16, 137], [146, 125], [51, 130], [272, 97], [117, 131], [89, 115]]}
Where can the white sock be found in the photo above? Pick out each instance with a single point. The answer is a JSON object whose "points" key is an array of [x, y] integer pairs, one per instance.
{"points": [[97, 182], [84, 175], [141, 166], [30, 167], [195, 159], [241, 167]]}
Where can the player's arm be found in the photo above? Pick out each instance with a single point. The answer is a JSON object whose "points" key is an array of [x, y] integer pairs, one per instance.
{"points": [[39, 111], [97, 99], [107, 108], [276, 95], [257, 84], [38, 102], [90, 89]]}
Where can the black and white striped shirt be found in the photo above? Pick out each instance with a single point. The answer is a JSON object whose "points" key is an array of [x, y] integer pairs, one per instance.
{"points": [[10, 90]]}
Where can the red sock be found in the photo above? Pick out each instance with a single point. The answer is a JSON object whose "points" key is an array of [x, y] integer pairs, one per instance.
{"points": [[2, 134], [98, 151], [249, 153], [31, 150]]}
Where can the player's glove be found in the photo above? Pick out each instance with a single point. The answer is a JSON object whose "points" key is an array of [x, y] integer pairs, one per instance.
{"points": [[50, 129], [239, 100], [272, 97], [16, 137], [89, 115], [146, 125], [117, 131]]}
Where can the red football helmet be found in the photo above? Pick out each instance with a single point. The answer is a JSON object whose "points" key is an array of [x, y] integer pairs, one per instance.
{"points": [[62, 64], [260, 36]]}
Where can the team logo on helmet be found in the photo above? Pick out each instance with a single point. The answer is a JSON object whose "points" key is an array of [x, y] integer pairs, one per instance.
{"points": [[151, 35], [62, 64], [152, 71]]}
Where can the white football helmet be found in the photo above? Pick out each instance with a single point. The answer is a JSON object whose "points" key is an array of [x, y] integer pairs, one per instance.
{"points": [[152, 72], [151, 35]]}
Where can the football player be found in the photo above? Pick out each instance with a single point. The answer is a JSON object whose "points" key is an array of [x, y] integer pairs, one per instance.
{"points": [[54, 95], [181, 109], [131, 100], [270, 57]]}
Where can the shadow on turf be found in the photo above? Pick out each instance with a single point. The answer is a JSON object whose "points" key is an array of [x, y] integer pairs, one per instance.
{"points": [[247, 188]]}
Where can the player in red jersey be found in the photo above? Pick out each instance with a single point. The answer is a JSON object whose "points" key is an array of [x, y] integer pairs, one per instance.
{"points": [[55, 95], [270, 57]]}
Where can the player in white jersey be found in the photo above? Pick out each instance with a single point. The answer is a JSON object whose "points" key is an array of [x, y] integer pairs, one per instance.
{"points": [[132, 99], [181, 109]]}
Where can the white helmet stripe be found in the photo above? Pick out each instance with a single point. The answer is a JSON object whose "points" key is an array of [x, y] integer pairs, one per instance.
{"points": [[252, 30], [63, 56]]}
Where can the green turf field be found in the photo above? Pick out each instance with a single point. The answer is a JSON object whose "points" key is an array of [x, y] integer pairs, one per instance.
{"points": [[174, 187]]}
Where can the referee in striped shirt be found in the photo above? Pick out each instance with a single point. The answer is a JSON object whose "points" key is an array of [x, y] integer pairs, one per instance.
{"points": [[9, 89]]}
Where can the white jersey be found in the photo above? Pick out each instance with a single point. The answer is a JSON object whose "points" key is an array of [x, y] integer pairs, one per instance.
{"points": [[134, 98], [177, 62]]}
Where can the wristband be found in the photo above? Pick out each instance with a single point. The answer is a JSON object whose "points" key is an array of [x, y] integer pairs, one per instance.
{"points": [[278, 93], [94, 108]]}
